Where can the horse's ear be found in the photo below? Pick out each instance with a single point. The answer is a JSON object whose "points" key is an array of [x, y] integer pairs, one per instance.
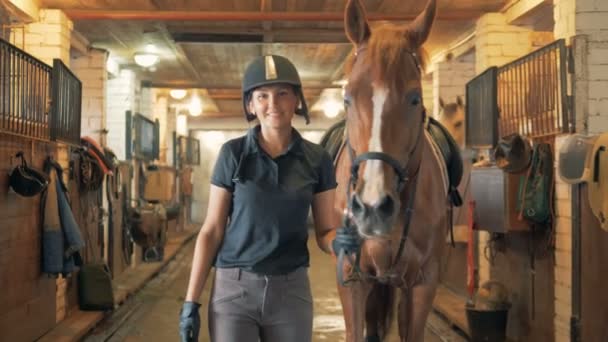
{"points": [[441, 103], [459, 101], [355, 22], [420, 28]]}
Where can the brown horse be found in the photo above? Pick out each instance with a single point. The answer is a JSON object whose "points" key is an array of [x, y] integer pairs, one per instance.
{"points": [[391, 182], [452, 117]]}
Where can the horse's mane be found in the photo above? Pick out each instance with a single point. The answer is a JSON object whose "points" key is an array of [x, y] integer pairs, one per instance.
{"points": [[388, 51]]}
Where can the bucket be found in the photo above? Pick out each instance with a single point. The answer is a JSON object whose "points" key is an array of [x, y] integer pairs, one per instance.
{"points": [[487, 325]]}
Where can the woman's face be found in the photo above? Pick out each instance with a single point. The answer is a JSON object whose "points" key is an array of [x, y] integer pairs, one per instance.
{"points": [[274, 105]]}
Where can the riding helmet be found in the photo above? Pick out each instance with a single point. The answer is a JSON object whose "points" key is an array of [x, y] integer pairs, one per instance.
{"points": [[272, 69], [27, 181]]}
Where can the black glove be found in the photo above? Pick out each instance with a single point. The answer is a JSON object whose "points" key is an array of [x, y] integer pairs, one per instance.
{"points": [[189, 322], [347, 239]]}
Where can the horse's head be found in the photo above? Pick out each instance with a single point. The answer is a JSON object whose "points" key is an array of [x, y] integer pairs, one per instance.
{"points": [[451, 117], [385, 114]]}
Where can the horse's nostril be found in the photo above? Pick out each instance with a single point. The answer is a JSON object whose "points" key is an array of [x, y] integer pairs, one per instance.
{"points": [[356, 206], [386, 205]]}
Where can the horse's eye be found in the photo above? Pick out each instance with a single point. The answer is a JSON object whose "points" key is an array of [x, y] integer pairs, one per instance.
{"points": [[347, 101], [415, 100]]}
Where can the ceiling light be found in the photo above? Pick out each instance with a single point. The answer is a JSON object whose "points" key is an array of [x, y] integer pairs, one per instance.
{"points": [[178, 94], [196, 106], [151, 48], [146, 59], [332, 108]]}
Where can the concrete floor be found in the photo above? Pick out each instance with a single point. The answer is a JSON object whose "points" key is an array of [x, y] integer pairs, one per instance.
{"points": [[152, 314]]}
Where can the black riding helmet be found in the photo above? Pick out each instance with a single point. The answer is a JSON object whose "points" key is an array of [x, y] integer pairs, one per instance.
{"points": [[27, 181], [272, 69]]}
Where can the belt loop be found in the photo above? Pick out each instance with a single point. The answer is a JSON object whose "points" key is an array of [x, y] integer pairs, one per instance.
{"points": [[238, 273]]}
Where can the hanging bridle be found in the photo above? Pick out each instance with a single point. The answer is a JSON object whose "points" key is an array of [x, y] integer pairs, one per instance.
{"points": [[403, 179]]}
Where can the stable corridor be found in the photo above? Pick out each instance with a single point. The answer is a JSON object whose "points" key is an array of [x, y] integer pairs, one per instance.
{"points": [[152, 314]]}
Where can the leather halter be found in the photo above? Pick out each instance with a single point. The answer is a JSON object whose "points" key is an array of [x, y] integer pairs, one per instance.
{"points": [[403, 178]]}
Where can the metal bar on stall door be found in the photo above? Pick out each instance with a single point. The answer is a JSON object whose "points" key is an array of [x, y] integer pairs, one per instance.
{"points": [[524, 89], [13, 100], [61, 122], [563, 80], [29, 99], [510, 98], [24, 98], [546, 91], [38, 106], [556, 86], [19, 90], [504, 84], [44, 84], [501, 103], [539, 93], [546, 115], [64, 103], [79, 115], [7, 90], [529, 104], [3, 83], [549, 89]]}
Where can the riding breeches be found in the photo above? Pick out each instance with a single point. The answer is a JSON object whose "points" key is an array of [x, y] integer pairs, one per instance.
{"points": [[249, 307]]}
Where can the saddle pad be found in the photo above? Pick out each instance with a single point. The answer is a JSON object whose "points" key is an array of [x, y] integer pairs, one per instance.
{"points": [[440, 160], [333, 139], [448, 149]]}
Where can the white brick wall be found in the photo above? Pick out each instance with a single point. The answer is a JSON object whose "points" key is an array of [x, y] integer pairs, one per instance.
{"points": [[161, 112], [48, 38], [563, 254], [120, 97], [498, 43], [591, 21], [171, 127], [564, 16], [91, 71], [449, 81]]}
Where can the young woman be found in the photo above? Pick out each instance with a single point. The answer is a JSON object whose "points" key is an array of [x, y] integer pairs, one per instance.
{"points": [[255, 232]]}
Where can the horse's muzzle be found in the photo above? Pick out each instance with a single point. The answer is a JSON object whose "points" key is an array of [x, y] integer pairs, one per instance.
{"points": [[373, 219]]}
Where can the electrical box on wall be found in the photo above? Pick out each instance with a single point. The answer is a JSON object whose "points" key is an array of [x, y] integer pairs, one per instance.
{"points": [[495, 194]]}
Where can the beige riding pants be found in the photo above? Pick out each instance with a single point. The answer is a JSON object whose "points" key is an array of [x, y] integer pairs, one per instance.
{"points": [[249, 307]]}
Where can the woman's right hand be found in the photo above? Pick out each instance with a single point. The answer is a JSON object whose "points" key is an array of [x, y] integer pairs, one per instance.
{"points": [[189, 322]]}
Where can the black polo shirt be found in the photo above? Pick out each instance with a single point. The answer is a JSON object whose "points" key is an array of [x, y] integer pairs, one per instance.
{"points": [[267, 231]]}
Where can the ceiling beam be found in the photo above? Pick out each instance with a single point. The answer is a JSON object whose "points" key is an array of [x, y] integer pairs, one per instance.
{"points": [[22, 12], [76, 14], [79, 43], [234, 35], [268, 36]]}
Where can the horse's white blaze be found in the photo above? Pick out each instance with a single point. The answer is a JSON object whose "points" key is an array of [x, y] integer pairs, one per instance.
{"points": [[374, 171]]}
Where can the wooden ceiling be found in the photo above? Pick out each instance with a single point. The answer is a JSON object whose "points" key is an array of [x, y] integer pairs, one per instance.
{"points": [[206, 44]]}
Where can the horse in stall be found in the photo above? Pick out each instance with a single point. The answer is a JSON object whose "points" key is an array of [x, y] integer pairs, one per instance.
{"points": [[393, 188], [451, 116]]}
